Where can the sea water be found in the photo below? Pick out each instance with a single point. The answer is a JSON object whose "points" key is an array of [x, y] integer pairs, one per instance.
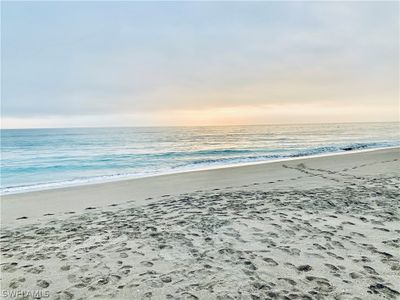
{"points": [[34, 159]]}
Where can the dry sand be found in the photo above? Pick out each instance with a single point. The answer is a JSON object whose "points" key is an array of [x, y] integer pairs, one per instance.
{"points": [[316, 228]]}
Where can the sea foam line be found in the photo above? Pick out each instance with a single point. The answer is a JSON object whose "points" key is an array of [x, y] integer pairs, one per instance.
{"points": [[128, 176]]}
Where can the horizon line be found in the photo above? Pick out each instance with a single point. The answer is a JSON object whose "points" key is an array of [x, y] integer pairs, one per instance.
{"points": [[175, 126]]}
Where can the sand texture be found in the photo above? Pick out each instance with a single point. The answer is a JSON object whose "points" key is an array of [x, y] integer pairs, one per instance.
{"points": [[318, 228]]}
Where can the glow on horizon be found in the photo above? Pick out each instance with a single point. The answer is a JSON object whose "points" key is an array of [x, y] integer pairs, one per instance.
{"points": [[240, 115], [193, 63]]}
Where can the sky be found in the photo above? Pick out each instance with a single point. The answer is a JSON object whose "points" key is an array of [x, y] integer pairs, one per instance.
{"points": [[78, 64]]}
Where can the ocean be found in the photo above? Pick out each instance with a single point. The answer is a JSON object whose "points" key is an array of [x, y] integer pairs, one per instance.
{"points": [[34, 159]]}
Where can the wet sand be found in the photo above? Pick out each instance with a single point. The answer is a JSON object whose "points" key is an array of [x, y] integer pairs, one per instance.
{"points": [[314, 228]]}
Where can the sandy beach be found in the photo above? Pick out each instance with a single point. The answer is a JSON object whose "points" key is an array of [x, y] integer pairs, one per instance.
{"points": [[310, 228]]}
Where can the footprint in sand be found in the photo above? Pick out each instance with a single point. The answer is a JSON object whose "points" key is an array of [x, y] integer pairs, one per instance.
{"points": [[16, 282], [65, 268], [354, 275], [64, 295], [36, 270], [288, 280], [147, 263], [270, 261], [166, 279], [42, 283], [304, 268], [380, 288], [370, 270]]}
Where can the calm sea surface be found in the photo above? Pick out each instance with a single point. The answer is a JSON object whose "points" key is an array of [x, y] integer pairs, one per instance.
{"points": [[45, 158]]}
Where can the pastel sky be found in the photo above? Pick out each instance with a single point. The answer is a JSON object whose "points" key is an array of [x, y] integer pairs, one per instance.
{"points": [[198, 63]]}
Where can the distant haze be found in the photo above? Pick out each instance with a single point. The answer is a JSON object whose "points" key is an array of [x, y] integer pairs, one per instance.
{"points": [[198, 63]]}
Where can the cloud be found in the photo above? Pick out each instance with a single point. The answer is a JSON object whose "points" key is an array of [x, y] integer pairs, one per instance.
{"points": [[88, 59]]}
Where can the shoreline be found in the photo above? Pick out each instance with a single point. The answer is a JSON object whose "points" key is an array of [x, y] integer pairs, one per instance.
{"points": [[35, 204], [61, 185]]}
